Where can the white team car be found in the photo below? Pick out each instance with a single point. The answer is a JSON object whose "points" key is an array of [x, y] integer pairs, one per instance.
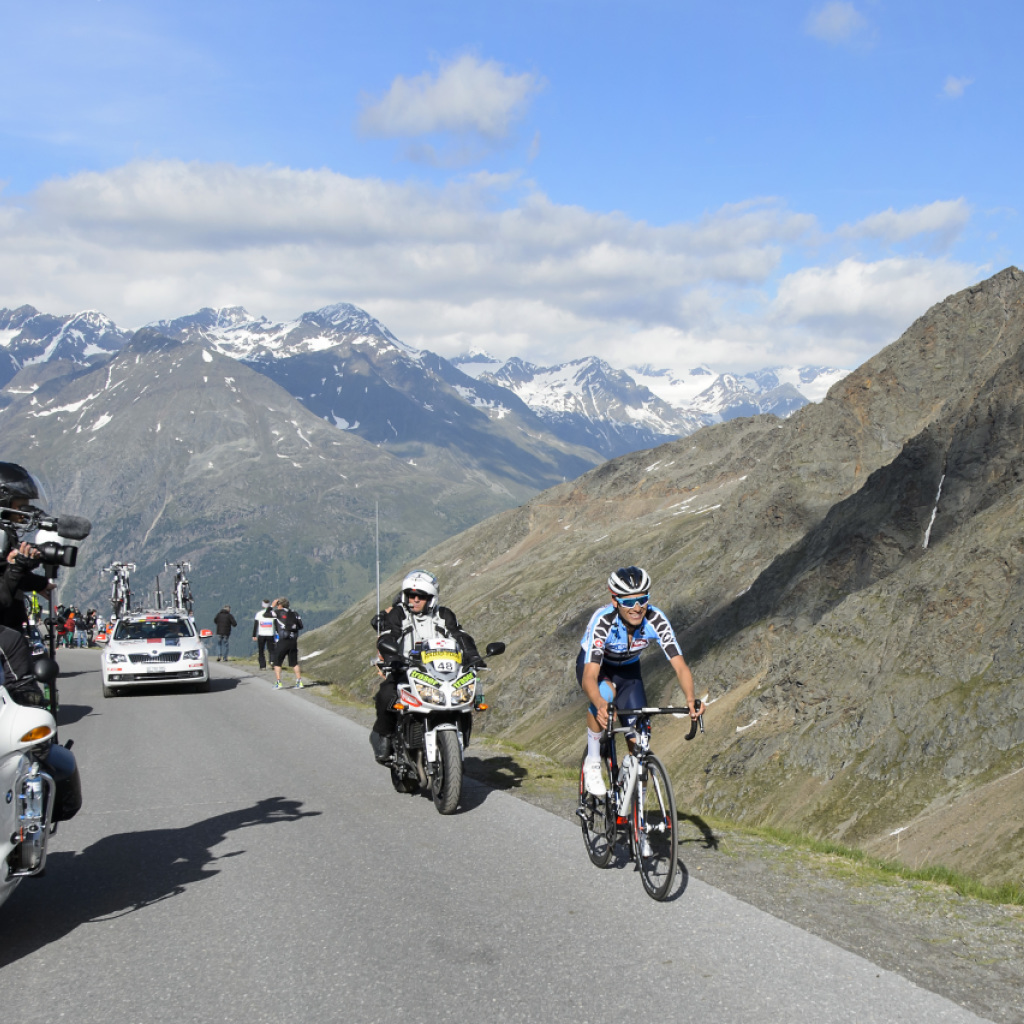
{"points": [[152, 649]]}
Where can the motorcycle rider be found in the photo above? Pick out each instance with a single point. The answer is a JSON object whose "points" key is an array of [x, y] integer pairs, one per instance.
{"points": [[415, 617], [608, 665], [17, 489]]}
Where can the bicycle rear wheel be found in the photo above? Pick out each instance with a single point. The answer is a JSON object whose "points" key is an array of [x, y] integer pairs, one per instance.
{"points": [[655, 838], [597, 819]]}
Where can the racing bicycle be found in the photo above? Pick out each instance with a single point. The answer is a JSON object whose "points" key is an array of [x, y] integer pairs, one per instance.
{"points": [[120, 587], [182, 596], [639, 803]]}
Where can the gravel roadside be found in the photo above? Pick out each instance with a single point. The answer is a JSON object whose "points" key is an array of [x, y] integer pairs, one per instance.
{"points": [[967, 950]]}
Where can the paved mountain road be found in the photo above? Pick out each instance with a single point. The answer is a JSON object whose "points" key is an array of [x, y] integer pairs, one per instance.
{"points": [[240, 857]]}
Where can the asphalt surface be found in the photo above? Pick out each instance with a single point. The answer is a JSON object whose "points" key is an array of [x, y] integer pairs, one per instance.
{"points": [[240, 857]]}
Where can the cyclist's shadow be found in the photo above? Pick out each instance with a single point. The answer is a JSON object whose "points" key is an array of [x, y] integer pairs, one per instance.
{"points": [[706, 839]]}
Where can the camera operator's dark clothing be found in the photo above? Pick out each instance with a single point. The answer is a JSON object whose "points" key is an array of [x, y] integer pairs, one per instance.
{"points": [[401, 626], [16, 579], [16, 665]]}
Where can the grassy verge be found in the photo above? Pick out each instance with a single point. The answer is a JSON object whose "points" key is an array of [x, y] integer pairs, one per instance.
{"points": [[1006, 894]]}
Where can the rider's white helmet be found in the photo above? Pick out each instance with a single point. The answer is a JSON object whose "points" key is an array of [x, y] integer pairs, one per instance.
{"points": [[424, 583]]}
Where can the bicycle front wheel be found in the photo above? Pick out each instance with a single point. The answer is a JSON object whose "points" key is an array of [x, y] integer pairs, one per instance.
{"points": [[597, 820], [655, 838]]}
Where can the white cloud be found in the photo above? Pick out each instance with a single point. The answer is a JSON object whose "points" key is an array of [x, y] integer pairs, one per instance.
{"points": [[838, 22], [484, 262], [955, 87], [944, 220], [465, 96], [854, 296]]}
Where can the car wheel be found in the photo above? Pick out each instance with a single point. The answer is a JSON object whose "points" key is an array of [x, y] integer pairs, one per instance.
{"points": [[109, 691], [204, 686]]}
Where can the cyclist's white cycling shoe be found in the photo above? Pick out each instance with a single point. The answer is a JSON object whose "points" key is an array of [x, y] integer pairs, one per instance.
{"points": [[592, 777]]}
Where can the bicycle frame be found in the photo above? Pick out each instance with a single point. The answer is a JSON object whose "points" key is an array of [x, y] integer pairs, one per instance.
{"points": [[641, 801]]}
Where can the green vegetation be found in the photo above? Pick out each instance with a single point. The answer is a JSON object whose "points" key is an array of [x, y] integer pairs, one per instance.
{"points": [[880, 869]]}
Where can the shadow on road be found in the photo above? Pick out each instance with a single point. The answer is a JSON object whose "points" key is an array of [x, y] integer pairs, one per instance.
{"points": [[68, 714], [123, 873]]}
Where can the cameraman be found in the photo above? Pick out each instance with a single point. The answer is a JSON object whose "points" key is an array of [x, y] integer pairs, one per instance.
{"points": [[17, 489]]}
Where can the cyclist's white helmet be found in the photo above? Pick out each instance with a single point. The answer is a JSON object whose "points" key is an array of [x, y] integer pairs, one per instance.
{"points": [[629, 580], [426, 583]]}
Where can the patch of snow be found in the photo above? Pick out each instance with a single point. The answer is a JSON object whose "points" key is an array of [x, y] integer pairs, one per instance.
{"points": [[207, 358], [102, 421]]}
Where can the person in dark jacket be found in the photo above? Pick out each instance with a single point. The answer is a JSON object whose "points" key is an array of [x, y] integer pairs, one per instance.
{"points": [[414, 618], [17, 489], [286, 641], [223, 621]]}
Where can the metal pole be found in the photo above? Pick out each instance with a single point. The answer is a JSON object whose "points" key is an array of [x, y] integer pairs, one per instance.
{"points": [[377, 546]]}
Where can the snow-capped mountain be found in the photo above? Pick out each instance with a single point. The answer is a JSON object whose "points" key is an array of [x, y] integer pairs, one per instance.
{"points": [[28, 337], [350, 370], [234, 332], [589, 402], [617, 411]]}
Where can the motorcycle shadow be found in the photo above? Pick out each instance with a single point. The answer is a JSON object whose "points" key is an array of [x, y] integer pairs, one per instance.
{"points": [[68, 714], [500, 772], [122, 873]]}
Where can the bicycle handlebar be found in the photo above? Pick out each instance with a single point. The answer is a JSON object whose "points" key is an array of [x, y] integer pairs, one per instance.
{"points": [[695, 723]]}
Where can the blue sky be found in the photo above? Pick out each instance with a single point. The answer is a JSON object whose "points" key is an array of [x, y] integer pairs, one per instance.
{"points": [[740, 184]]}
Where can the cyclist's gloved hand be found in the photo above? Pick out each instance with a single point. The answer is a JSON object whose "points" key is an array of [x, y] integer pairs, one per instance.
{"points": [[377, 621]]}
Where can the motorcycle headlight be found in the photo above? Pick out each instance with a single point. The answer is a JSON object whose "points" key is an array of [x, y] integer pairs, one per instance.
{"points": [[464, 694], [114, 658], [430, 694]]}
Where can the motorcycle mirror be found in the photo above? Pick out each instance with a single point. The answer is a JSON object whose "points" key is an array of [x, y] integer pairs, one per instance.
{"points": [[45, 670], [494, 649]]}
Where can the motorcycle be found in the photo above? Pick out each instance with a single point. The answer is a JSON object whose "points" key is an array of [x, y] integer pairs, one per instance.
{"points": [[39, 781], [435, 709]]}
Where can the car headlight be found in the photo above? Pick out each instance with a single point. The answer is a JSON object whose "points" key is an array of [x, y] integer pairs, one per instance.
{"points": [[114, 658], [464, 694], [430, 694], [191, 655]]}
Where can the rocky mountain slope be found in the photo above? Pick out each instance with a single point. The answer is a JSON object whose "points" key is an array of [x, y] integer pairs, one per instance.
{"points": [[846, 583], [176, 452]]}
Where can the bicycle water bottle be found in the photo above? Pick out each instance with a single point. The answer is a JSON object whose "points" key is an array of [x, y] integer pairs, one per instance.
{"points": [[627, 780]]}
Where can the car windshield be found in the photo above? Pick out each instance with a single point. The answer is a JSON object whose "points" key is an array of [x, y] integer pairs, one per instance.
{"points": [[152, 629]]}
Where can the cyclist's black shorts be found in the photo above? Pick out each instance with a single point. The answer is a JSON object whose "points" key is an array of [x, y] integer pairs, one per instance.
{"points": [[628, 683], [286, 649]]}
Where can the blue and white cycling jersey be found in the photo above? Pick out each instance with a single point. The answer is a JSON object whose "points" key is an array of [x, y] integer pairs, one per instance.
{"points": [[607, 639]]}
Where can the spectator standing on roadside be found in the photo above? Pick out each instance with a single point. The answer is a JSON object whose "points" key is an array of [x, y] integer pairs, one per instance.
{"points": [[286, 640], [263, 632], [223, 621]]}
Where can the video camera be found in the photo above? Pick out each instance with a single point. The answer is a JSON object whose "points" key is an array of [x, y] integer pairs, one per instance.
{"points": [[51, 553]]}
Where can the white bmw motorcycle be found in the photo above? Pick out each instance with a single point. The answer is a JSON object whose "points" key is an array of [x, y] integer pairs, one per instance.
{"points": [[39, 784], [435, 709]]}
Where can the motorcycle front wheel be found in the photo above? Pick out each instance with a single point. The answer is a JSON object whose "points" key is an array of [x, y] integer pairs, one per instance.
{"points": [[446, 783]]}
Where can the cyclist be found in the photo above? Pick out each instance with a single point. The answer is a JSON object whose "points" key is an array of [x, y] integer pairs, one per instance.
{"points": [[608, 665]]}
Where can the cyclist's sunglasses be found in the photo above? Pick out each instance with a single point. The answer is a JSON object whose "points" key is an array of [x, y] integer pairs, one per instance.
{"points": [[417, 595], [632, 602]]}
